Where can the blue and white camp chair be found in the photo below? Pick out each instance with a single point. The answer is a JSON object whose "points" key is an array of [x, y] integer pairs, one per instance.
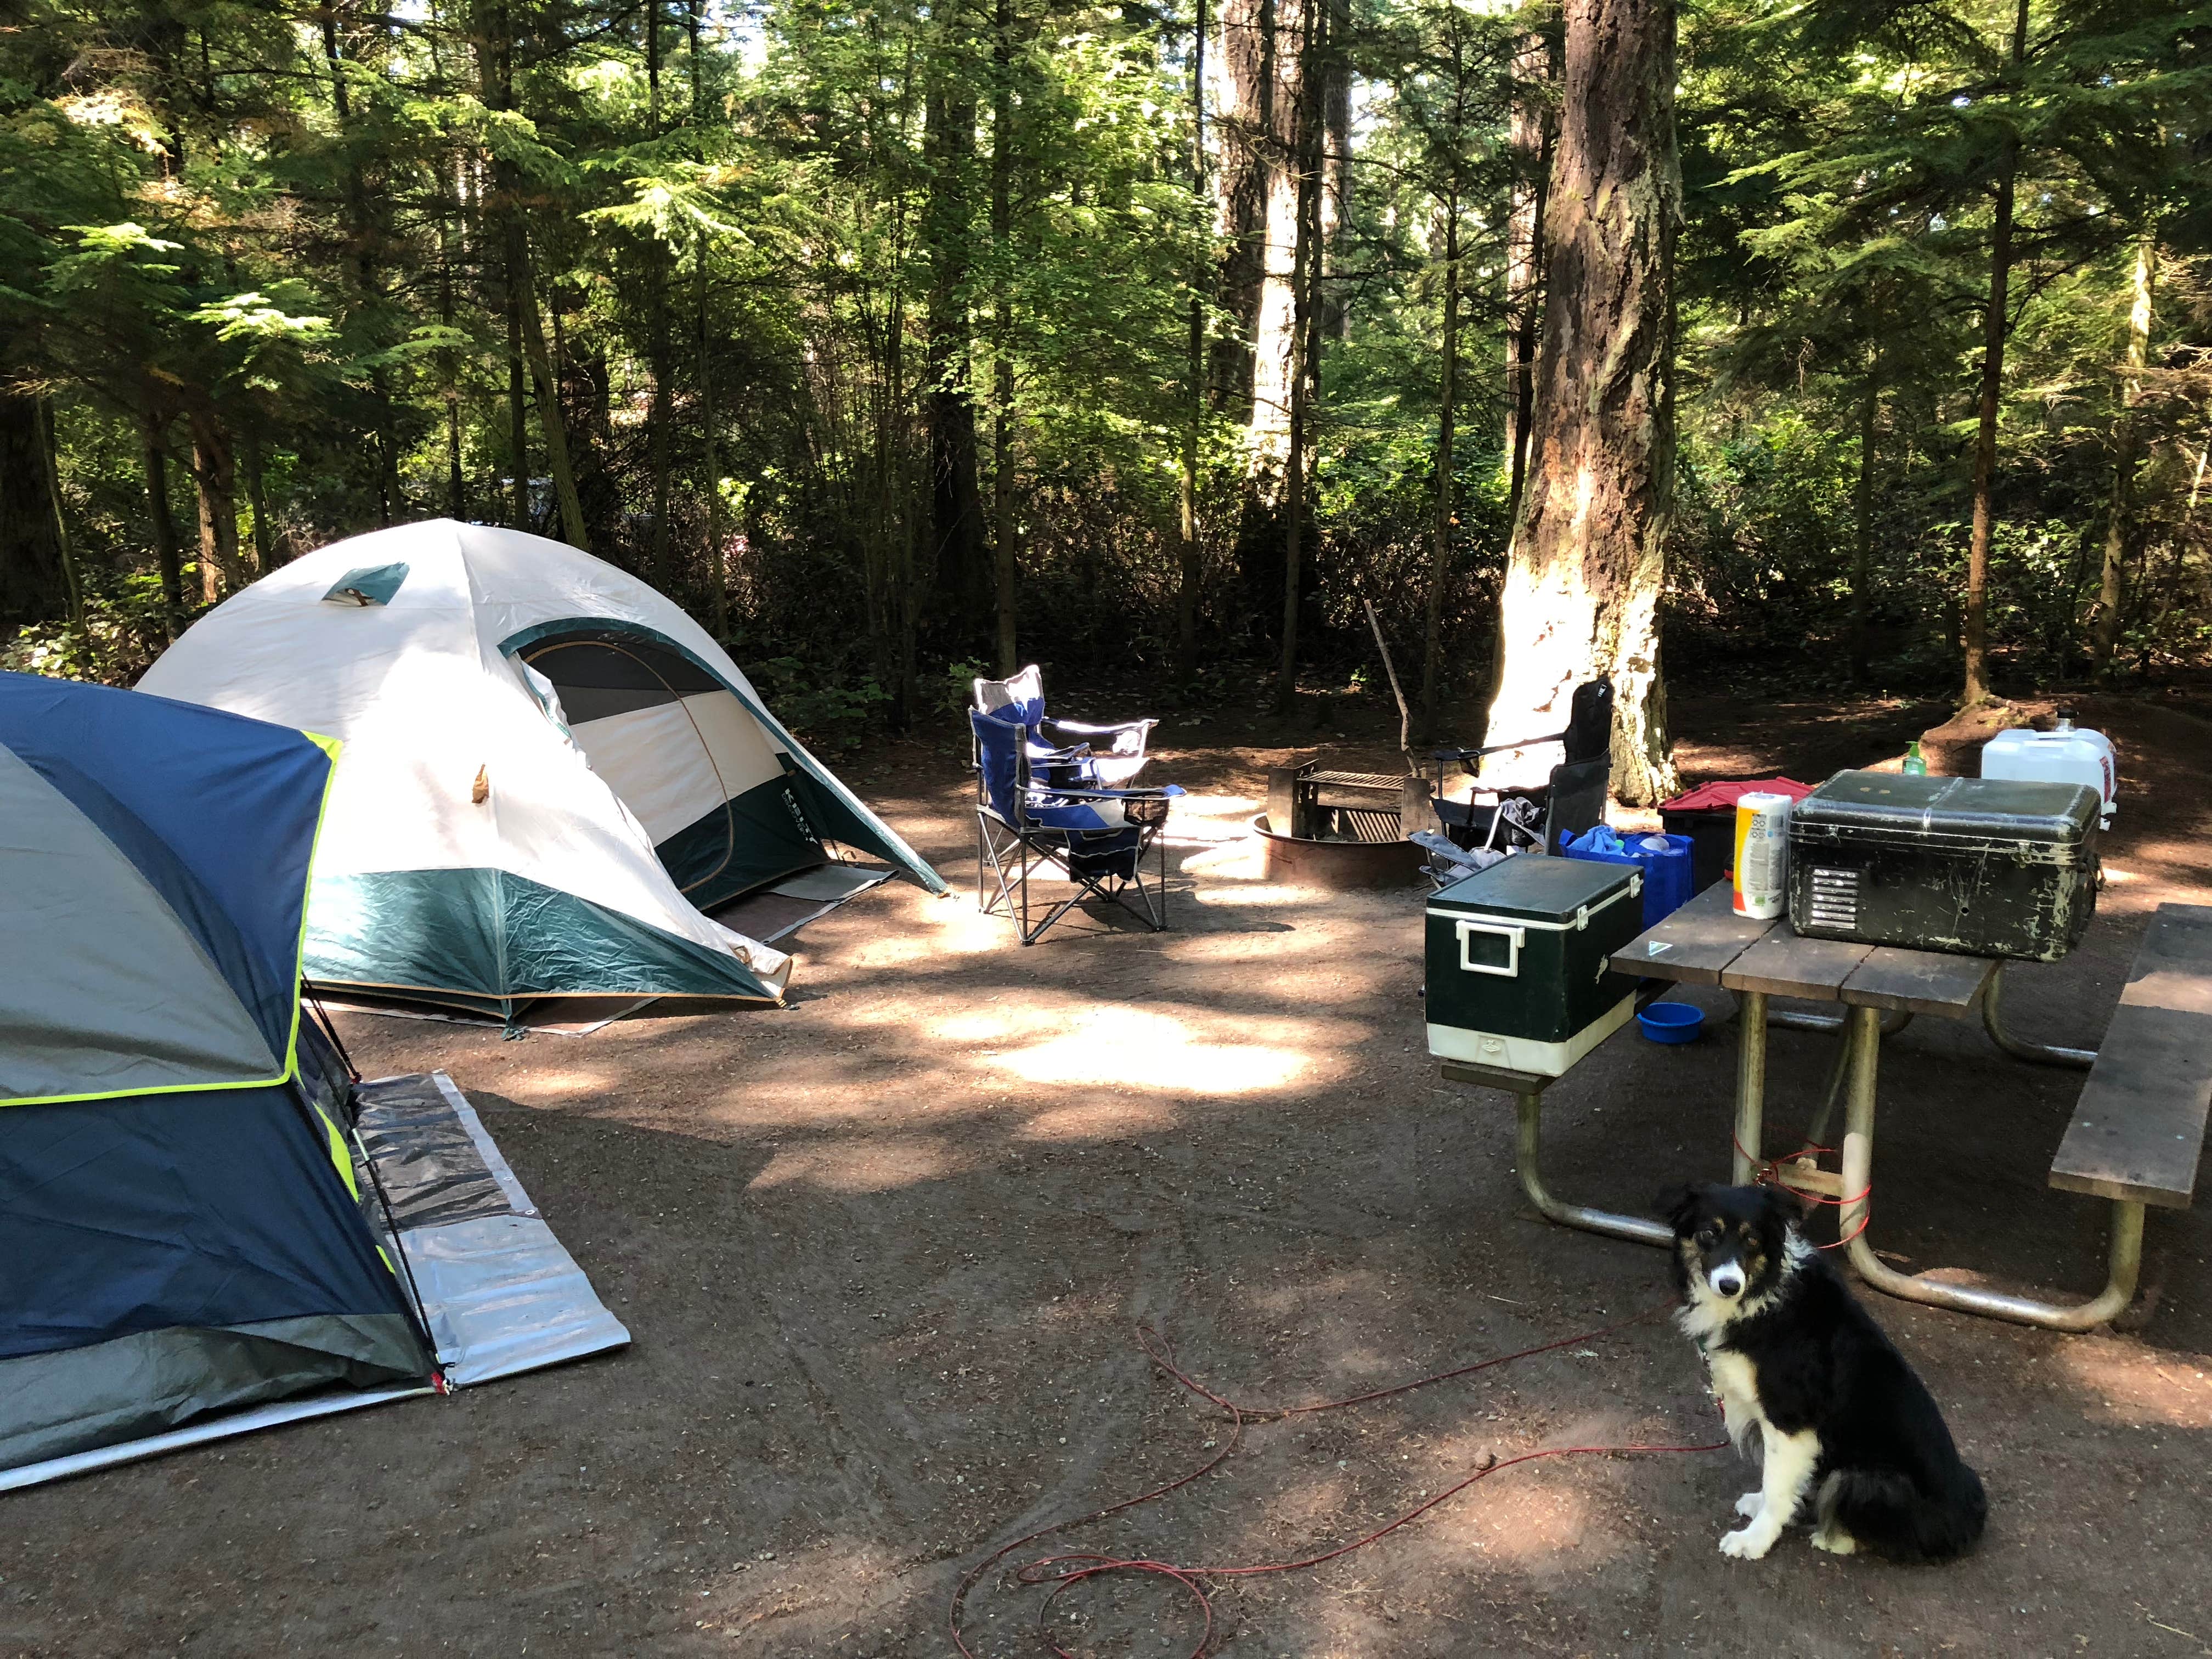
{"points": [[1098, 838], [1082, 762]]}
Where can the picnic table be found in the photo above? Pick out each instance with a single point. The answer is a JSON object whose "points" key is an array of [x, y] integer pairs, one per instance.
{"points": [[2150, 1100]]}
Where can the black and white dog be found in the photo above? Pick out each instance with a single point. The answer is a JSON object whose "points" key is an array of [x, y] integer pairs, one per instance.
{"points": [[1840, 1418]]}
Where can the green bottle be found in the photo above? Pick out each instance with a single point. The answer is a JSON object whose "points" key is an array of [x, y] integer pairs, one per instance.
{"points": [[1916, 764]]}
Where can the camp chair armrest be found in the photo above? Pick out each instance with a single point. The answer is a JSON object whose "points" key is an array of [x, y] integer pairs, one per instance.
{"points": [[1496, 748], [1101, 731], [1168, 793]]}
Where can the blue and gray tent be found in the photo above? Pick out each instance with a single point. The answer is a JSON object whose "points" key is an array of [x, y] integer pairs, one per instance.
{"points": [[187, 1231]]}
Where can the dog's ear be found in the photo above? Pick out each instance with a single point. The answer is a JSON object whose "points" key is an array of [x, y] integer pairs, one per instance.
{"points": [[1679, 1204], [1785, 1205]]}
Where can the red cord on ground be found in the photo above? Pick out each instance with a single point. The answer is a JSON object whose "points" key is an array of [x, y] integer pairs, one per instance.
{"points": [[1062, 1571]]}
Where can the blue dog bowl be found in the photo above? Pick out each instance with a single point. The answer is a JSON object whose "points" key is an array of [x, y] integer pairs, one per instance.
{"points": [[1672, 1021]]}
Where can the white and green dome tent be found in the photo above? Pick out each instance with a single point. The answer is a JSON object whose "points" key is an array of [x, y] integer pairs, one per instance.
{"points": [[549, 773]]}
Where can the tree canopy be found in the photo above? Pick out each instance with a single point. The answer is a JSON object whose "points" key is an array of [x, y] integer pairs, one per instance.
{"points": [[892, 337]]}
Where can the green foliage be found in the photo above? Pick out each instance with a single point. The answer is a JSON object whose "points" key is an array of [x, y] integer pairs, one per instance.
{"points": [[782, 305]]}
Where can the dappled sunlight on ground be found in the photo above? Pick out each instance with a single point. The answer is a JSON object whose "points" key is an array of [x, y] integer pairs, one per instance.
{"points": [[883, 1253], [1145, 1049], [2127, 1385]]}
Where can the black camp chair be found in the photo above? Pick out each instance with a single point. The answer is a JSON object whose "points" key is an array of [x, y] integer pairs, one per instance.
{"points": [[1571, 801]]}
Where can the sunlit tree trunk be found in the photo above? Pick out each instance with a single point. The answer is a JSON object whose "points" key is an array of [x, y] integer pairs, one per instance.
{"points": [[2112, 591], [1252, 146], [1975, 633], [1587, 559], [1277, 343]]}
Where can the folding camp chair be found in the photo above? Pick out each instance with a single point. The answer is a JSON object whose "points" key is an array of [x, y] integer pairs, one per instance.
{"points": [[1098, 838], [1572, 800], [1081, 763]]}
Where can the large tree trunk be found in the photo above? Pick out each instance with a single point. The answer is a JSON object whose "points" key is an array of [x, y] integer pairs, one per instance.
{"points": [[1305, 261], [33, 587], [1255, 107], [2112, 591], [957, 571], [1587, 559], [1975, 636], [1529, 143]]}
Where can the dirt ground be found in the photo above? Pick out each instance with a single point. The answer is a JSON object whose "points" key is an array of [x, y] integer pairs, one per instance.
{"points": [[882, 1254]]}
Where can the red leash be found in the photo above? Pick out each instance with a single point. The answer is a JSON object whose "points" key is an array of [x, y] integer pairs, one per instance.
{"points": [[1062, 1571], [1770, 1175]]}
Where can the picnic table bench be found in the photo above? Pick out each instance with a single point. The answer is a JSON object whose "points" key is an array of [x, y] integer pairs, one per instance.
{"points": [[2137, 1133]]}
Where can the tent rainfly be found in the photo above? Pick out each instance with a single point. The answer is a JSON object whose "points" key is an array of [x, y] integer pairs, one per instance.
{"points": [[189, 1246], [551, 773]]}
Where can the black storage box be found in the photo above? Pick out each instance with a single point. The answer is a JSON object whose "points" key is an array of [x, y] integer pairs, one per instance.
{"points": [[1711, 830], [1976, 866]]}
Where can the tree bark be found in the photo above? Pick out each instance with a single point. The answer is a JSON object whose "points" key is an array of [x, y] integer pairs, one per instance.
{"points": [[1975, 636], [1528, 145], [257, 500], [1305, 257], [1190, 563], [2111, 589], [517, 411], [1002, 325], [215, 473], [659, 353], [50, 472], [710, 455], [1432, 614], [161, 518], [956, 570], [33, 587], [367, 291], [1254, 144], [1587, 562], [1862, 545]]}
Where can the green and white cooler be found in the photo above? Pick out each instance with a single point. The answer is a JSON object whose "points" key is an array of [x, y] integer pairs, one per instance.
{"points": [[1516, 974]]}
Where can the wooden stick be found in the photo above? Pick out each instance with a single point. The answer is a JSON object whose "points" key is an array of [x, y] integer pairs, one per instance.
{"points": [[1405, 721]]}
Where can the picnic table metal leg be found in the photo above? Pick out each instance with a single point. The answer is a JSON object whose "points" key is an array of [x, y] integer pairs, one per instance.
{"points": [[1530, 1104], [2036, 1053], [2126, 1251], [1750, 1084]]}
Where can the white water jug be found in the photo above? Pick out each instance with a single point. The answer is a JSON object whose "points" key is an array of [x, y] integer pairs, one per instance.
{"points": [[2062, 754]]}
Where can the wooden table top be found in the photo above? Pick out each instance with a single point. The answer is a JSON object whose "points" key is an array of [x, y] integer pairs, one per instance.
{"points": [[1706, 943]]}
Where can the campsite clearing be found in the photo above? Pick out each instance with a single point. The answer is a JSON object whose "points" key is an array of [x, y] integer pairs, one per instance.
{"points": [[881, 1253]]}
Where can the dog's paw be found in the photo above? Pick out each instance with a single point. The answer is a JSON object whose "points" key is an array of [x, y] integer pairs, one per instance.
{"points": [[1750, 1505], [1835, 1540], [1748, 1543]]}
